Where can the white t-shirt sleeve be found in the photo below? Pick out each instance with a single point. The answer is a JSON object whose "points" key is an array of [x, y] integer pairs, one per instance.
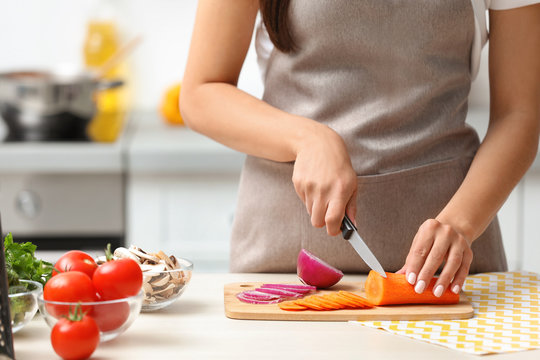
{"points": [[509, 4], [263, 47]]}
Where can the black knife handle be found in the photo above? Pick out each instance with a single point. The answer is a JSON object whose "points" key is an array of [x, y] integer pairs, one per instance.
{"points": [[347, 227]]}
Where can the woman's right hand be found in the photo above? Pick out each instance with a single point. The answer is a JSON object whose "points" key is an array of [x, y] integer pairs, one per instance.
{"points": [[325, 180]]}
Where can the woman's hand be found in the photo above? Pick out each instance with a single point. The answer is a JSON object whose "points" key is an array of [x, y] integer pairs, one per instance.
{"points": [[434, 244], [325, 180]]}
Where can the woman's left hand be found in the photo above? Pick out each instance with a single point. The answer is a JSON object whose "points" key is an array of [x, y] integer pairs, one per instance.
{"points": [[433, 244]]}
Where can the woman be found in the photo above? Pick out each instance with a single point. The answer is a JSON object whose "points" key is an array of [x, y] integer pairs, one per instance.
{"points": [[363, 114]]}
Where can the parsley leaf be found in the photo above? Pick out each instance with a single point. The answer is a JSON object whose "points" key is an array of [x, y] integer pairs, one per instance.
{"points": [[22, 264]]}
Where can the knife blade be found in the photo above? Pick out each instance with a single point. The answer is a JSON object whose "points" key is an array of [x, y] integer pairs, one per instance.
{"points": [[350, 233]]}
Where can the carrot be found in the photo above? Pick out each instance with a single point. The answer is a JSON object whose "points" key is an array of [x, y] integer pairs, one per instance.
{"points": [[396, 290]]}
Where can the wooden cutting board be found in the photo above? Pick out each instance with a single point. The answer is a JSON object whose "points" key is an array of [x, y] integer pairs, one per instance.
{"points": [[235, 309]]}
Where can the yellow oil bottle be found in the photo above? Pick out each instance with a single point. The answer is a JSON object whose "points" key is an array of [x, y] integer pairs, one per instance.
{"points": [[101, 42]]}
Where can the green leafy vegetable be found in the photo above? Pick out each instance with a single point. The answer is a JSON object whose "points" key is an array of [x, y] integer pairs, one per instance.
{"points": [[22, 264]]}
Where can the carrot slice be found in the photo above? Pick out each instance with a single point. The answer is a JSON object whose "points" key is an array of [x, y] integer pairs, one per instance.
{"points": [[291, 306], [309, 304], [345, 301], [327, 301], [332, 301], [328, 304], [396, 290], [316, 299], [356, 298]]}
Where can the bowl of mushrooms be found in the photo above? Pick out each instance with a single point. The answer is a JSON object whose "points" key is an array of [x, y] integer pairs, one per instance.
{"points": [[164, 277]]}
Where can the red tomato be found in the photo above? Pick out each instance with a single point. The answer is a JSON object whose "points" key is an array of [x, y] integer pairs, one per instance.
{"points": [[76, 260], [110, 316], [117, 279], [75, 339], [71, 286]]}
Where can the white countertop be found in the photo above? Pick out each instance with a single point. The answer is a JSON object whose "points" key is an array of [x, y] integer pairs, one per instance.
{"points": [[195, 327], [158, 147], [147, 145], [63, 157]]}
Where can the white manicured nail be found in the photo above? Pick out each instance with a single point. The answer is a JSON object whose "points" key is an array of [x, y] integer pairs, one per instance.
{"points": [[411, 278], [420, 286], [455, 289], [438, 291]]}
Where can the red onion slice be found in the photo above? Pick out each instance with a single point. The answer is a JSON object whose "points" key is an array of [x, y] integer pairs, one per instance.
{"points": [[258, 295], [281, 292], [297, 289], [248, 300], [292, 286]]}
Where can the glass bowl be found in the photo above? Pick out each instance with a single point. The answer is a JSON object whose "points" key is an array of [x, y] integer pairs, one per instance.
{"points": [[113, 317], [162, 288], [23, 303]]}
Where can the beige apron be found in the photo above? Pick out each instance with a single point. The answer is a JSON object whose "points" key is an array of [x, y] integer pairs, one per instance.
{"points": [[392, 78]]}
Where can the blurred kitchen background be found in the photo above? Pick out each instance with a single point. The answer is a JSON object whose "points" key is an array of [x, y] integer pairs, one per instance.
{"points": [[140, 177]]}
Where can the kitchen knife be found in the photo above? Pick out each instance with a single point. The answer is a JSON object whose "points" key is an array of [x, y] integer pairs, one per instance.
{"points": [[349, 232]]}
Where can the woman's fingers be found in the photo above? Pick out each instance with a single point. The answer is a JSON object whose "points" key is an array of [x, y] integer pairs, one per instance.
{"points": [[318, 213], [463, 271], [420, 248], [350, 210], [334, 216]]}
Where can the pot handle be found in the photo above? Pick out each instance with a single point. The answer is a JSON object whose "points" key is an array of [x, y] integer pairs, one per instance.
{"points": [[109, 84]]}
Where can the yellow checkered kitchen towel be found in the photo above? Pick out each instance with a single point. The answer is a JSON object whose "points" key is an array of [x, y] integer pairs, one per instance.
{"points": [[506, 317]]}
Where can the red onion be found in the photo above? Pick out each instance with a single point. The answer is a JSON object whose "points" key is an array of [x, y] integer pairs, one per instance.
{"points": [[316, 272]]}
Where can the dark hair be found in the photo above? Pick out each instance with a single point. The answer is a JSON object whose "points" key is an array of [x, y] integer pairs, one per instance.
{"points": [[275, 17]]}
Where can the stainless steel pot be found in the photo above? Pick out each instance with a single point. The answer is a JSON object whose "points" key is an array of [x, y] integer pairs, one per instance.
{"points": [[49, 106]]}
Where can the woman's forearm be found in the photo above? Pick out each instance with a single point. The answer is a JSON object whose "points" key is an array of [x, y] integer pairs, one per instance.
{"points": [[511, 142], [506, 153], [242, 122], [211, 103]]}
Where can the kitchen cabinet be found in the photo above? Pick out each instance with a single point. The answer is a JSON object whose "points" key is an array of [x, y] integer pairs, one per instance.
{"points": [[181, 192], [189, 215]]}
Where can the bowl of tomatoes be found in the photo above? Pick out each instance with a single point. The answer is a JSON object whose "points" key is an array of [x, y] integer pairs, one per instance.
{"points": [[112, 317], [110, 294]]}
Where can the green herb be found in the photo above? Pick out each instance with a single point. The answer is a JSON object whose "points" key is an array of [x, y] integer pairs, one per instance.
{"points": [[22, 264]]}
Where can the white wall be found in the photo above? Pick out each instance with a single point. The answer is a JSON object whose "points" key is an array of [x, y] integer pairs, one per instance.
{"points": [[44, 33]]}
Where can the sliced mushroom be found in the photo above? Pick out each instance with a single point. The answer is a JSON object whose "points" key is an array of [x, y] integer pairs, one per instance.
{"points": [[123, 253], [160, 280], [166, 292], [143, 255]]}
